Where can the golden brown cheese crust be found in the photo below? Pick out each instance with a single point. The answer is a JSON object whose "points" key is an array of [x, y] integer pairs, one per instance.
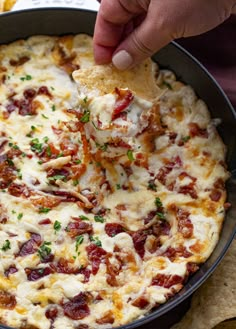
{"points": [[109, 200]]}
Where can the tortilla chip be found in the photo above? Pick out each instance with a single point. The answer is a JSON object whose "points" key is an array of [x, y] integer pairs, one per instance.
{"points": [[99, 80], [226, 325], [215, 301]]}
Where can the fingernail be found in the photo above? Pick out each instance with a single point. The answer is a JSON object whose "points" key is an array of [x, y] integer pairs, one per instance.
{"points": [[122, 60]]}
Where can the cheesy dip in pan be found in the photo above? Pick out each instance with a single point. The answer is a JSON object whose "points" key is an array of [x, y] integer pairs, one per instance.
{"points": [[112, 186]]}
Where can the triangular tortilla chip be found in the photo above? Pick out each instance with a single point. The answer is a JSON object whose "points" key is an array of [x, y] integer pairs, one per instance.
{"points": [[103, 79]]}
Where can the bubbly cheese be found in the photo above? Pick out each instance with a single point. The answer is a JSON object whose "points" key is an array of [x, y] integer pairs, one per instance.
{"points": [[106, 198]]}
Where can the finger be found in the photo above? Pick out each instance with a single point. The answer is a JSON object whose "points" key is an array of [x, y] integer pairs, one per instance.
{"points": [[111, 21], [143, 42]]}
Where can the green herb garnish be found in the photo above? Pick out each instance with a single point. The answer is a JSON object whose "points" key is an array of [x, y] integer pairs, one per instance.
{"points": [[130, 155], [99, 219], [86, 116], [57, 226], [6, 245]]}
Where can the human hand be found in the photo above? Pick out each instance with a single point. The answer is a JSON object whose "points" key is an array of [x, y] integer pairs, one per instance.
{"points": [[128, 31]]}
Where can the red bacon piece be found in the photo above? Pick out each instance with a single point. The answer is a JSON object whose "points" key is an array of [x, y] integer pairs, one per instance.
{"points": [[7, 300], [51, 313], [45, 221], [11, 270], [140, 302], [195, 130], [112, 272], [161, 228], [185, 225], [96, 255], [180, 251], [43, 90], [192, 268], [64, 266], [29, 93], [77, 308], [18, 190], [79, 227], [86, 273], [215, 195], [107, 318], [166, 281], [125, 97], [37, 273], [31, 246], [113, 229], [139, 239], [22, 60], [165, 170]]}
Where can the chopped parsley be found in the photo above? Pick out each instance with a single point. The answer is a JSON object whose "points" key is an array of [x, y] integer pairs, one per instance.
{"points": [[44, 116], [130, 155], [86, 116], [118, 186], [44, 210], [36, 146], [6, 245], [85, 100], [79, 241], [53, 108], [83, 217], [161, 215], [185, 139], [75, 182], [57, 226], [78, 161], [14, 146], [158, 203], [44, 250], [45, 139], [57, 177], [27, 77], [20, 215], [96, 240], [99, 219], [10, 162], [152, 186], [48, 151]]}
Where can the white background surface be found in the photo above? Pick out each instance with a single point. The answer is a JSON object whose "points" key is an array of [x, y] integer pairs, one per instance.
{"points": [[86, 4]]}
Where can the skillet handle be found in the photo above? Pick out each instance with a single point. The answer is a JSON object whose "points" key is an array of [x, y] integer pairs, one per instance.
{"points": [[84, 4]]}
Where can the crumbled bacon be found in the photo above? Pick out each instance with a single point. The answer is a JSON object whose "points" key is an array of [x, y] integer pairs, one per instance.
{"points": [[7, 300], [79, 227], [45, 221], [139, 239], [68, 147], [37, 273], [113, 229], [162, 227], [185, 225], [215, 195], [29, 93], [175, 253], [77, 308], [11, 270], [18, 190], [195, 130], [31, 246], [140, 302], [43, 90], [64, 266], [108, 317], [86, 272], [192, 268], [51, 313], [166, 281], [96, 255], [112, 272], [124, 99], [22, 60]]}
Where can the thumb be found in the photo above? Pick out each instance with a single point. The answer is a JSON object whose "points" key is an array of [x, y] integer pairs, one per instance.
{"points": [[149, 37]]}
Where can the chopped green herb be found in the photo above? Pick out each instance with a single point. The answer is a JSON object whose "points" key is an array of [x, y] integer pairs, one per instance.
{"points": [[20, 215], [96, 240], [75, 182], [152, 186], [160, 215], [48, 151], [118, 186], [14, 146], [86, 116], [74, 257], [52, 88], [79, 240], [53, 108], [57, 226], [40, 162], [60, 155], [27, 77], [33, 128], [185, 139], [56, 177], [96, 127], [6, 245], [158, 203], [36, 146], [99, 219], [44, 210], [19, 175], [13, 212], [85, 99], [44, 116], [130, 155], [167, 84], [83, 217], [10, 162], [98, 164], [77, 161], [44, 250], [45, 139]]}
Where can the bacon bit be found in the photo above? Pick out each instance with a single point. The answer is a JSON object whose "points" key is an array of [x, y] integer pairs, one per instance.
{"points": [[45, 201], [22, 60], [219, 184], [119, 143], [112, 272], [44, 91], [64, 266], [51, 313], [192, 268], [77, 307], [153, 244], [57, 131], [215, 195], [86, 273], [123, 100], [68, 148], [11, 270], [82, 326], [165, 170], [161, 228], [18, 190], [113, 229], [150, 216], [166, 281], [185, 225], [172, 137], [227, 205], [45, 221], [13, 153], [96, 255], [31, 246], [37, 273], [139, 239], [7, 301], [108, 317], [121, 207], [141, 160], [29, 93], [195, 130], [79, 227], [140, 302], [173, 253], [78, 170]]}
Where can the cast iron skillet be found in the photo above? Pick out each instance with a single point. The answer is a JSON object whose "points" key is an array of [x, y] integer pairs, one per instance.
{"points": [[21, 24]]}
